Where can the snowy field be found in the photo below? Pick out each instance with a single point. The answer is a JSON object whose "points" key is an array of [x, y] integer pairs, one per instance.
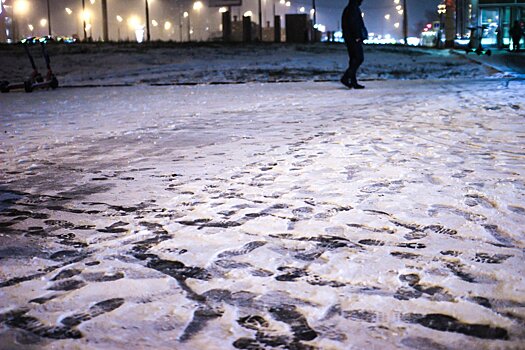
{"points": [[263, 215]]}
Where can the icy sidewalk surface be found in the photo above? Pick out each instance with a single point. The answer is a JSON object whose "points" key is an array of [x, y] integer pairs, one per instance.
{"points": [[299, 216]]}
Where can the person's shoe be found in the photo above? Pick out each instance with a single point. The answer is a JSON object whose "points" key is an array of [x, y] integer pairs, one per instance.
{"points": [[357, 86], [346, 83]]}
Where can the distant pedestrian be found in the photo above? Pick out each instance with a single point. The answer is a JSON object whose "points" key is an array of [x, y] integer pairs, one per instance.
{"points": [[354, 32], [515, 33]]}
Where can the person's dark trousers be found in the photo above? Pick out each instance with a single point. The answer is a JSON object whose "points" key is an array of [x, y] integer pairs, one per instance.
{"points": [[356, 58]]}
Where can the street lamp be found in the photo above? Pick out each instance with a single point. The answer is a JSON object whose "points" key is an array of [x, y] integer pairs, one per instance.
{"points": [[167, 28], [148, 35], [197, 6], [134, 23], [48, 18], [187, 15], [20, 9], [83, 19], [119, 21], [86, 19]]}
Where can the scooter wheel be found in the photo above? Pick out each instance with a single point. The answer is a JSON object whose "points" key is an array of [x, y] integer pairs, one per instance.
{"points": [[53, 83], [488, 53], [39, 78], [4, 86], [28, 86]]}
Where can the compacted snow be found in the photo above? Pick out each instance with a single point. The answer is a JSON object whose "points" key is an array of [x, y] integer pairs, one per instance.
{"points": [[264, 215]]}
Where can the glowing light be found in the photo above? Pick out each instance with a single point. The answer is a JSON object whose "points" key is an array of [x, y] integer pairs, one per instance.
{"points": [[400, 12], [30, 26], [185, 14], [134, 22], [119, 19], [320, 27], [301, 9], [387, 17], [88, 26], [86, 15], [399, 7], [21, 7], [139, 33], [155, 23], [288, 4], [396, 2], [43, 22], [223, 9], [197, 5], [69, 11], [167, 25], [282, 2], [312, 12], [248, 14], [396, 25], [92, 2]]}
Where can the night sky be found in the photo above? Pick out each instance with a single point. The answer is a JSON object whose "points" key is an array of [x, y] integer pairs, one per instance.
{"points": [[328, 14]]}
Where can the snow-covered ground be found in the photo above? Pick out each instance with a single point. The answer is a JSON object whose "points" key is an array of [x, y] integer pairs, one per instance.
{"points": [[265, 215], [165, 63]]}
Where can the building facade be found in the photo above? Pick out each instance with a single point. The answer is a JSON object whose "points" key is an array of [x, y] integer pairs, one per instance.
{"points": [[497, 17]]}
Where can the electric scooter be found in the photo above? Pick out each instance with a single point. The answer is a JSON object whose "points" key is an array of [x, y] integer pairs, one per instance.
{"points": [[36, 80], [474, 44]]}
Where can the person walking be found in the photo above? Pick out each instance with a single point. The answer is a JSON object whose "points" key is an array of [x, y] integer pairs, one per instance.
{"points": [[354, 32], [516, 33]]}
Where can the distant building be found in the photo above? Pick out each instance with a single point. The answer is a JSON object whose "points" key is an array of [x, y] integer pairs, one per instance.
{"points": [[496, 17]]}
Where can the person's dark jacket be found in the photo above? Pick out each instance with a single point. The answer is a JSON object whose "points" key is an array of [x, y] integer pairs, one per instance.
{"points": [[352, 22], [516, 31]]}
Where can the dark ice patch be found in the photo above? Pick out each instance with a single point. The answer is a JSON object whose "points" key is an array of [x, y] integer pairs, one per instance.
{"points": [[202, 223], [446, 323], [501, 236], [516, 209], [117, 227], [360, 315], [372, 242], [253, 322], [454, 253], [67, 273], [68, 255], [67, 285], [412, 245], [201, 316], [43, 300], [245, 249], [405, 255], [231, 264], [459, 270], [18, 319], [178, 270], [98, 309], [290, 274], [248, 344], [297, 322], [103, 277], [491, 259], [421, 343]]}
